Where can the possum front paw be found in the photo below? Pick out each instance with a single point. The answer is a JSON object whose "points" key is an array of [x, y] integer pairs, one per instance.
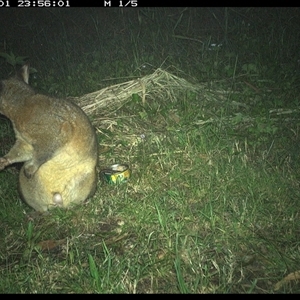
{"points": [[3, 163], [30, 170]]}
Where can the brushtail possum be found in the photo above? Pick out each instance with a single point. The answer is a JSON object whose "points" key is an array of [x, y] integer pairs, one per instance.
{"points": [[56, 142]]}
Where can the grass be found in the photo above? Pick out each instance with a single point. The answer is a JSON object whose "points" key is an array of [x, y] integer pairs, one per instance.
{"points": [[212, 204]]}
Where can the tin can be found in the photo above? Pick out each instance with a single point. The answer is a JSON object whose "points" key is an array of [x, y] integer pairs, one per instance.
{"points": [[115, 174]]}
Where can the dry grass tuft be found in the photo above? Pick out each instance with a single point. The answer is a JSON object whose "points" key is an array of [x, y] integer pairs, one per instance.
{"points": [[159, 84]]}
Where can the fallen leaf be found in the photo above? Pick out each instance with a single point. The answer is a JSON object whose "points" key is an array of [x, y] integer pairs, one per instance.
{"points": [[288, 278], [50, 244]]}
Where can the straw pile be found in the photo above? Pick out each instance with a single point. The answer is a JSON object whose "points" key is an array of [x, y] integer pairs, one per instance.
{"points": [[158, 85]]}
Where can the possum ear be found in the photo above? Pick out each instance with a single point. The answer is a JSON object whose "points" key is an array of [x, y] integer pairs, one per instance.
{"points": [[24, 73]]}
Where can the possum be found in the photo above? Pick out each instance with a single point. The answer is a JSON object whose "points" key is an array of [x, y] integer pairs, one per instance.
{"points": [[55, 141]]}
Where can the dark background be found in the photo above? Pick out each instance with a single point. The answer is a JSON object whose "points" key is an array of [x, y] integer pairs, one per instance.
{"points": [[63, 43]]}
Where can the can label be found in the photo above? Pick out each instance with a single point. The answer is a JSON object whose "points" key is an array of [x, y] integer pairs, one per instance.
{"points": [[117, 173]]}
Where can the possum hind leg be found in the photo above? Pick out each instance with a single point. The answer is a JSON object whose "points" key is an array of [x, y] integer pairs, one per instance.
{"points": [[34, 193], [80, 188]]}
